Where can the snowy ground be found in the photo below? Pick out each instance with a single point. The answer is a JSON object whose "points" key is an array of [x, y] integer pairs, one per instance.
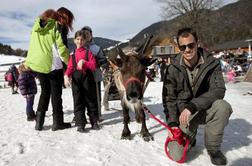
{"points": [[21, 145]]}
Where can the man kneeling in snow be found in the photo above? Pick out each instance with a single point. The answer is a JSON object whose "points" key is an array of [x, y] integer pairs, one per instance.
{"points": [[193, 93]]}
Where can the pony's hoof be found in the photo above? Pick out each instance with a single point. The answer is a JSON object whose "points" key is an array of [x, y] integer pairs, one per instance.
{"points": [[148, 138], [126, 137]]}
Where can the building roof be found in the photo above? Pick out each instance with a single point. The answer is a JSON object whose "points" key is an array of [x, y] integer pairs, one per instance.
{"points": [[230, 45]]}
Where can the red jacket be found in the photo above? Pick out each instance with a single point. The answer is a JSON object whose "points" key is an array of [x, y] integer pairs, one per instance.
{"points": [[80, 53]]}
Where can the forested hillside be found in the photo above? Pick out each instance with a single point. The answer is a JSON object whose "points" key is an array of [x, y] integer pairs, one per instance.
{"points": [[229, 23]]}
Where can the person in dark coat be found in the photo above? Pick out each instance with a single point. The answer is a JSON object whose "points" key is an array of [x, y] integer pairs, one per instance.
{"points": [[102, 64], [193, 92], [162, 69], [28, 88], [12, 81]]}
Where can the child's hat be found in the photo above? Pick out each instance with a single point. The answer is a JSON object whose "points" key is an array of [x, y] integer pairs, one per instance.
{"points": [[87, 28]]}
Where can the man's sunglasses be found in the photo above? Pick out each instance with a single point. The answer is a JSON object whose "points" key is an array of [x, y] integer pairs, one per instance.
{"points": [[190, 46]]}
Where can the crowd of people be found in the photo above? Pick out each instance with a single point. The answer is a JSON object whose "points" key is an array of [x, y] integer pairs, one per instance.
{"points": [[193, 84], [233, 63]]}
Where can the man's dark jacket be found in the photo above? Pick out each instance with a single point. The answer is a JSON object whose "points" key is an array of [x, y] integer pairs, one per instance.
{"points": [[208, 86]]}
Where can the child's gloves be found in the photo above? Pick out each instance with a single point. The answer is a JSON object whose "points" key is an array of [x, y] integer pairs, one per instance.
{"points": [[80, 64]]}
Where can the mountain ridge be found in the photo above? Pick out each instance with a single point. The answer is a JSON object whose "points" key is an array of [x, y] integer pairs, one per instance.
{"points": [[228, 23]]}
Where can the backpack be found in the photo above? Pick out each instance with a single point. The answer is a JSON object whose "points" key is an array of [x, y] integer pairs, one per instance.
{"points": [[8, 77]]}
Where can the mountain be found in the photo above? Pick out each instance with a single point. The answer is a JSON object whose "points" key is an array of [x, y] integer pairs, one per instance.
{"points": [[102, 42], [229, 23], [105, 43]]}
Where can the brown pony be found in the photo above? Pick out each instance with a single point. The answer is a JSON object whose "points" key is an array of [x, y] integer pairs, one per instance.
{"points": [[129, 80]]}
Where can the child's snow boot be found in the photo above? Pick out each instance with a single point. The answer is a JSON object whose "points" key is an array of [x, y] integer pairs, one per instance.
{"points": [[31, 116]]}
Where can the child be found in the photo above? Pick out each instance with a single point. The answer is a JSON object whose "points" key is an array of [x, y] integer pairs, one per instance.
{"points": [[12, 76], [79, 72], [28, 88], [231, 75]]}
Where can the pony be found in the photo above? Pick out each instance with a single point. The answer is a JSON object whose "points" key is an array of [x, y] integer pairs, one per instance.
{"points": [[130, 80]]}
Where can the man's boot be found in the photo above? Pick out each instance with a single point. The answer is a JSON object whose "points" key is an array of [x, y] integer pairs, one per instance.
{"points": [[95, 126], [62, 126], [81, 129], [217, 157], [94, 120], [58, 122], [40, 118]]}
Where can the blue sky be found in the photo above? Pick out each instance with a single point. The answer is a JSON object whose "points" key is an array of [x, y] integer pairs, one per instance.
{"points": [[113, 19]]}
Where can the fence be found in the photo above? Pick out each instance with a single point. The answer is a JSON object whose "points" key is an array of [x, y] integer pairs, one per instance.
{"points": [[3, 69]]}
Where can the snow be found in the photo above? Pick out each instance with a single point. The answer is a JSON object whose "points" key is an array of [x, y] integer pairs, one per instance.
{"points": [[21, 144], [5, 59]]}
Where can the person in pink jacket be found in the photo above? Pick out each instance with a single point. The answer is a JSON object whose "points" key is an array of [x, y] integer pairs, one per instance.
{"points": [[231, 75], [79, 75]]}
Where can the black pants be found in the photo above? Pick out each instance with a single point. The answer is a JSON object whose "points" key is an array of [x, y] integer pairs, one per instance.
{"points": [[84, 96], [13, 84], [98, 95], [51, 86]]}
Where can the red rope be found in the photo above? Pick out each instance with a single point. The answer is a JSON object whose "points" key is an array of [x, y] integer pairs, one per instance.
{"points": [[177, 136]]}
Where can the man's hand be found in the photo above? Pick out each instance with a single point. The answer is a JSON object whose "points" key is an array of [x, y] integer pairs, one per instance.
{"points": [[184, 117], [67, 81], [80, 64], [170, 133]]}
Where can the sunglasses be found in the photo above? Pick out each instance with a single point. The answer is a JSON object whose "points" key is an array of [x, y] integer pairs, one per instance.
{"points": [[190, 46]]}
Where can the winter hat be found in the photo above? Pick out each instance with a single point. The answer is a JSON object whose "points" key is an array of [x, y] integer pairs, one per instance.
{"points": [[87, 28]]}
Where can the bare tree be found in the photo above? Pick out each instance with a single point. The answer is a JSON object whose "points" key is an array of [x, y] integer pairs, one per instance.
{"points": [[195, 12], [173, 8]]}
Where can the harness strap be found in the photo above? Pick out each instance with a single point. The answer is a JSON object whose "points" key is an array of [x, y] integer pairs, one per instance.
{"points": [[87, 49], [74, 58], [132, 79], [137, 80]]}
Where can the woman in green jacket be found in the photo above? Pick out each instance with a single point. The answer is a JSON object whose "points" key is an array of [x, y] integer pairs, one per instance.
{"points": [[47, 54]]}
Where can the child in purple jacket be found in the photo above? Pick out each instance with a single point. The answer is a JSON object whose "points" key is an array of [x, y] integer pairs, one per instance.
{"points": [[28, 88]]}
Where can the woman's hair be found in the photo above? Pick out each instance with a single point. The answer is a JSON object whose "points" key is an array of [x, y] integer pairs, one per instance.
{"points": [[49, 13], [65, 18], [80, 33]]}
